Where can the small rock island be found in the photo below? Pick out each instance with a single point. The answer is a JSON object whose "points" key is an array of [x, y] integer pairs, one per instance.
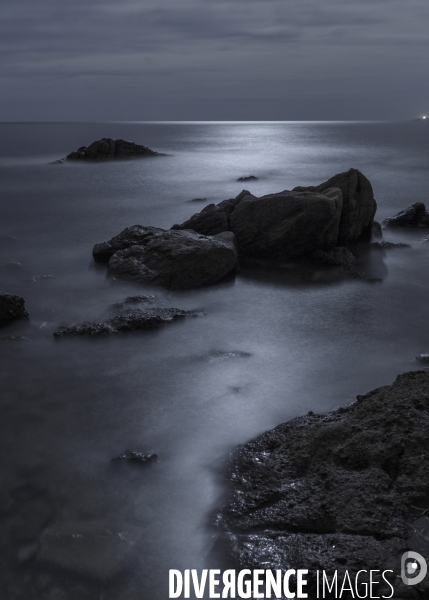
{"points": [[108, 149]]}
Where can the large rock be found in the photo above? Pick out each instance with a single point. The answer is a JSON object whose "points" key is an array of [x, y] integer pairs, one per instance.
{"points": [[106, 149], [359, 205], [12, 308], [131, 236], [173, 259], [415, 216], [333, 491], [289, 224]]}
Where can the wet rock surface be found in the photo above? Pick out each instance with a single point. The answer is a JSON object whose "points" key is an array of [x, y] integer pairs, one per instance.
{"points": [[12, 308], [109, 149], [335, 491], [339, 257], [173, 259], [415, 217], [132, 320]]}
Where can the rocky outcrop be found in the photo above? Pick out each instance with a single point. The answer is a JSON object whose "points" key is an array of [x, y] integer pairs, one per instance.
{"points": [[132, 320], [12, 308], [385, 245], [415, 216], [108, 149], [377, 232], [288, 224], [173, 259], [338, 257], [248, 178], [359, 205], [294, 223], [335, 491]]}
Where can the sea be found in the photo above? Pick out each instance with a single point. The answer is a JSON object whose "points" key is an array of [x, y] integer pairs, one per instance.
{"points": [[273, 343]]}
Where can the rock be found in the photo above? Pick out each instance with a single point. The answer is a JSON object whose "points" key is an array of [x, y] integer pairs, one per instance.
{"points": [[377, 232], [333, 491], [415, 216], [248, 178], [359, 205], [12, 308], [288, 224], [385, 245], [108, 149], [210, 221], [198, 200], [137, 457], [131, 236], [177, 259], [135, 300], [339, 257], [131, 320], [423, 358]]}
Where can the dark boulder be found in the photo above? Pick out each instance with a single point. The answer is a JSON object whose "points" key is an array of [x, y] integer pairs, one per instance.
{"points": [[288, 224], [132, 320], [248, 178], [131, 236], [108, 149], [335, 491], [291, 224], [415, 217], [210, 221], [12, 308], [359, 205], [177, 259]]}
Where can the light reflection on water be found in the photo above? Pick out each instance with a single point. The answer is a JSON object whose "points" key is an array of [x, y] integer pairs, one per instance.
{"points": [[69, 406]]}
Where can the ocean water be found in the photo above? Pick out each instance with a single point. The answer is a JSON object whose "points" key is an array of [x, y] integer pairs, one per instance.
{"points": [[273, 344]]}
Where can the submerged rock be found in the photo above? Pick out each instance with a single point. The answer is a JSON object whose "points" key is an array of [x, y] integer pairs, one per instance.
{"points": [[108, 149], [385, 245], [132, 320], [12, 308], [335, 491], [415, 216], [173, 259], [248, 178], [138, 457]]}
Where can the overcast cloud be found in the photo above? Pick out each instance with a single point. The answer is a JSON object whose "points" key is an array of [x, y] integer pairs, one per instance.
{"points": [[214, 59]]}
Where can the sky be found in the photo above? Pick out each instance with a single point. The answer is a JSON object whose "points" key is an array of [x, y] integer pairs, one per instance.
{"points": [[143, 60]]}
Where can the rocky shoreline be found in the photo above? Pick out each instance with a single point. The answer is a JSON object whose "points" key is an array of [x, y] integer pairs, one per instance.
{"points": [[336, 491]]}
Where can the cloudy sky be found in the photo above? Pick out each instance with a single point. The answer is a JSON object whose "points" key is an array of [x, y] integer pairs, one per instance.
{"points": [[214, 59]]}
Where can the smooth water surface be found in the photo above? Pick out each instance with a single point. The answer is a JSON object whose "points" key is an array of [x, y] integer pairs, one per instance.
{"points": [[273, 345]]}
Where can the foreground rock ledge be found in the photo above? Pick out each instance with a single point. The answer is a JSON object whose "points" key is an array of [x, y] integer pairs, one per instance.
{"points": [[12, 308], [108, 149], [334, 491]]}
